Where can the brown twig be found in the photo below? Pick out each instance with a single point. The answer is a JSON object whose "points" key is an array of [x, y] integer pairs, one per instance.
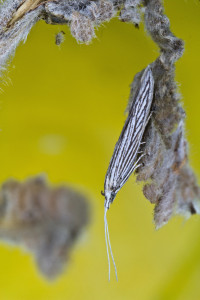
{"points": [[25, 7]]}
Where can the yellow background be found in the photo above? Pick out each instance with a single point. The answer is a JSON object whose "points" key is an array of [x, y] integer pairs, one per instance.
{"points": [[61, 114]]}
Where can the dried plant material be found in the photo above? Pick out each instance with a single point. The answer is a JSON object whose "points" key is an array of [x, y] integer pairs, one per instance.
{"points": [[11, 36], [82, 28], [82, 16], [132, 12], [24, 8], [170, 182], [45, 221], [18, 16]]}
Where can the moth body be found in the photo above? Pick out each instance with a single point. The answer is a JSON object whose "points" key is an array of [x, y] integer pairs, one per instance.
{"points": [[126, 155]]}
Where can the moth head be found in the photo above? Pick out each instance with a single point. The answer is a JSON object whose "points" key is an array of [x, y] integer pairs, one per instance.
{"points": [[109, 198]]}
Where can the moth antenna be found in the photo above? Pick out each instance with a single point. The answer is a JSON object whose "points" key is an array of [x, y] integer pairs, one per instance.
{"points": [[108, 255], [112, 254], [110, 248]]}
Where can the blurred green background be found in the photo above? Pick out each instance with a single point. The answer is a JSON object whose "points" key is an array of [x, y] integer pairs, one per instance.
{"points": [[61, 114]]}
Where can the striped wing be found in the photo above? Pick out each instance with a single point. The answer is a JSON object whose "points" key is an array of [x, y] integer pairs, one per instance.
{"points": [[123, 161]]}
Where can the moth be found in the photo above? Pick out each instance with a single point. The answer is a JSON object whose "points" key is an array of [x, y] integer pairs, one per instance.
{"points": [[125, 158]]}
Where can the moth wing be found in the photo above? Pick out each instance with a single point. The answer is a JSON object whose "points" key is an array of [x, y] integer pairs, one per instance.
{"points": [[126, 150]]}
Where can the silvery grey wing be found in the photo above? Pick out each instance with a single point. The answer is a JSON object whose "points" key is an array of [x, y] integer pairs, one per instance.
{"points": [[124, 159]]}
